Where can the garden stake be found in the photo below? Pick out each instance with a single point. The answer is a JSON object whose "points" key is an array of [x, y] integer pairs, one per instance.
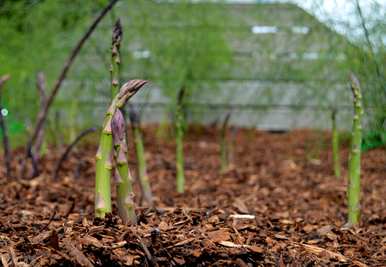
{"points": [[104, 154], [355, 155], [335, 145]]}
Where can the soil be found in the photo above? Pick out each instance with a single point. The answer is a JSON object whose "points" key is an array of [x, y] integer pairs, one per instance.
{"points": [[278, 204]]}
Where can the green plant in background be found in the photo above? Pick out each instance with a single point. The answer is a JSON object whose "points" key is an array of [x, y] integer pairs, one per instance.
{"points": [[374, 139], [224, 146], [21, 23], [335, 144], [188, 53], [104, 155], [367, 59], [354, 187], [183, 58]]}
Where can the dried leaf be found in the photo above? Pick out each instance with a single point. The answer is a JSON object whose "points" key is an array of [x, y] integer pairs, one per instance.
{"points": [[233, 245], [318, 250], [77, 255], [240, 206], [219, 235], [90, 240]]}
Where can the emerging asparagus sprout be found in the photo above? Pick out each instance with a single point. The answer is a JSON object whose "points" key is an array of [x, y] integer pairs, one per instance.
{"points": [[335, 145], [224, 148], [355, 155], [140, 153], [179, 121], [104, 156], [122, 174]]}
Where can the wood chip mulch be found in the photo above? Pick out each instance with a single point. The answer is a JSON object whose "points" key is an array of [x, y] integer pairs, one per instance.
{"points": [[279, 204]]}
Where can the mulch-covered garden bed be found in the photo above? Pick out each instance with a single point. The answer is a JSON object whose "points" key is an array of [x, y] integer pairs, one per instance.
{"points": [[279, 204]]}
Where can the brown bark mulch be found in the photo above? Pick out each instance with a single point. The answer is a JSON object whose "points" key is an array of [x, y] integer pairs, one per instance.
{"points": [[279, 204]]}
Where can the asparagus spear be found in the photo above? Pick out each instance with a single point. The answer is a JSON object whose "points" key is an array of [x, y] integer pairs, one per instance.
{"points": [[355, 155], [104, 154]]}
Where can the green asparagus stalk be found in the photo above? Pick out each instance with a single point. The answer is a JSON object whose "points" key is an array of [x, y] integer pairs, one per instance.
{"points": [[115, 57], [104, 154], [355, 155], [180, 142], [141, 161], [104, 164], [124, 186], [103, 171], [224, 148], [123, 177], [335, 145]]}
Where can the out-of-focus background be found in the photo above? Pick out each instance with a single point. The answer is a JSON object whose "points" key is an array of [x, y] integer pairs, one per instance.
{"points": [[274, 65]]}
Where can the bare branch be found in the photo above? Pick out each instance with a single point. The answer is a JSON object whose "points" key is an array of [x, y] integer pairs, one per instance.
{"points": [[65, 154], [41, 87], [3, 127], [43, 116]]}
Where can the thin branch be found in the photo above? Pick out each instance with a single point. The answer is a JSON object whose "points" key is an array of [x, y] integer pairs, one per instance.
{"points": [[69, 148], [3, 79], [367, 37], [41, 87], [43, 116], [3, 126]]}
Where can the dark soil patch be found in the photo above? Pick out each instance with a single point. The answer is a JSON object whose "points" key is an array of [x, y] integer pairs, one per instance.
{"points": [[295, 209]]}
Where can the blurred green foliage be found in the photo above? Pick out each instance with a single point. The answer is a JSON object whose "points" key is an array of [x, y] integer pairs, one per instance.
{"points": [[186, 53], [192, 45]]}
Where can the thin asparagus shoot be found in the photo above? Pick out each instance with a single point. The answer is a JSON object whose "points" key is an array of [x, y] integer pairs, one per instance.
{"points": [[354, 189], [224, 148], [115, 57], [141, 160], [335, 144], [179, 121]]}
